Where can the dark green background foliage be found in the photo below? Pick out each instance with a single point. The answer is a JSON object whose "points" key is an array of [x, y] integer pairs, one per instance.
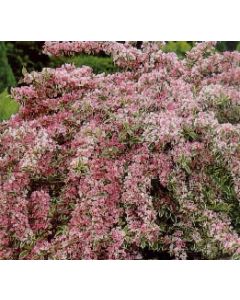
{"points": [[6, 75], [26, 54], [14, 56]]}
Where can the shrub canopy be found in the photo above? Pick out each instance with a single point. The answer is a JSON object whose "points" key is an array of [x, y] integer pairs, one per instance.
{"points": [[136, 164]]}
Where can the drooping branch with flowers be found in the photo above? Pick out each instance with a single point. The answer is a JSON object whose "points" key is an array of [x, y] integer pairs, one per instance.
{"points": [[146, 160]]}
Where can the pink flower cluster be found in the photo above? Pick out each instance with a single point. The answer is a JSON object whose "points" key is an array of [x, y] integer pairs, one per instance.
{"points": [[146, 160]]}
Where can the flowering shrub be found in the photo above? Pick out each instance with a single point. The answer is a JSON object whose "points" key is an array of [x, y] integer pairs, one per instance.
{"points": [[143, 163]]}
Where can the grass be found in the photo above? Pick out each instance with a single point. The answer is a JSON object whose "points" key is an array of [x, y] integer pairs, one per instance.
{"points": [[8, 106]]}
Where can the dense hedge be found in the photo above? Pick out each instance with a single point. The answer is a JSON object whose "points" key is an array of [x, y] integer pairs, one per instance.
{"points": [[142, 163]]}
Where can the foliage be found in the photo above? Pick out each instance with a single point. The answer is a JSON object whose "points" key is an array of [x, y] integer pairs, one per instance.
{"points": [[99, 64], [25, 54], [180, 48], [6, 76], [142, 163], [8, 106], [227, 46]]}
